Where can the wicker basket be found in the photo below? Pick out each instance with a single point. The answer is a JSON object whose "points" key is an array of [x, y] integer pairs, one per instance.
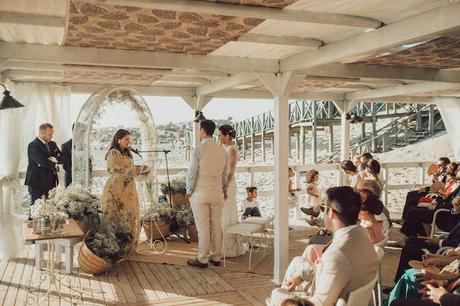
{"points": [[151, 231], [90, 262], [192, 233], [178, 199]]}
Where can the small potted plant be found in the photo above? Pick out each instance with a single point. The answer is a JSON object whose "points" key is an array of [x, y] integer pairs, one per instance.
{"points": [[186, 222], [103, 246], [157, 220], [176, 195]]}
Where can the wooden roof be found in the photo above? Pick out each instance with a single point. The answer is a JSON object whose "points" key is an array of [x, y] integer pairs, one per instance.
{"points": [[341, 49]]}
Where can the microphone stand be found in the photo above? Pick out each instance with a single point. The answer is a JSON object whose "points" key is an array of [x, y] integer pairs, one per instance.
{"points": [[169, 185]]}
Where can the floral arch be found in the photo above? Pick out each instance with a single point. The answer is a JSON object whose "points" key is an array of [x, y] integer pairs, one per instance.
{"points": [[83, 140]]}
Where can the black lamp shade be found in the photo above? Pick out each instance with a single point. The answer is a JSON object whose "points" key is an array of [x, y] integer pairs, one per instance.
{"points": [[199, 117], [9, 102]]}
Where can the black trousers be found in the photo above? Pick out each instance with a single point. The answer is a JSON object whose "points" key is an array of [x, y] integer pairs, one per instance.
{"points": [[413, 302], [417, 215], [412, 201], [252, 212], [37, 192], [412, 250]]}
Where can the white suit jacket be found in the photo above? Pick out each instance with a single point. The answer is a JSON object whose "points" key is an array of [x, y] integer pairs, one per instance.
{"points": [[348, 263]]}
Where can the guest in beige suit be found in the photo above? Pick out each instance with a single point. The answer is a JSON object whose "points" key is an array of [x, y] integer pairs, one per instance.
{"points": [[347, 264], [206, 178]]}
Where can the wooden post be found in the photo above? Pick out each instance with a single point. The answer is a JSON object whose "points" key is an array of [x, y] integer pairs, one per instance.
{"points": [[302, 144], [244, 147], [431, 120], [253, 148], [363, 130], [314, 151], [262, 140], [418, 118], [297, 145], [374, 127], [331, 139], [280, 85]]}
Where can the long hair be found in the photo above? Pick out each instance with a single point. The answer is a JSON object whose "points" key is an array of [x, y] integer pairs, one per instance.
{"points": [[115, 145]]}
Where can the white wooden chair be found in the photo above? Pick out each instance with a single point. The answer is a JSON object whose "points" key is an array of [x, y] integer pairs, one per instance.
{"points": [[247, 230], [360, 296], [377, 293]]}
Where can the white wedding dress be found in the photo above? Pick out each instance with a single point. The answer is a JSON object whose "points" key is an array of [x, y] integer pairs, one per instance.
{"points": [[233, 245]]}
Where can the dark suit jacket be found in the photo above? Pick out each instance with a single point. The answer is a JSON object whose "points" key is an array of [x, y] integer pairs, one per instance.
{"points": [[454, 237], [67, 162], [41, 172]]}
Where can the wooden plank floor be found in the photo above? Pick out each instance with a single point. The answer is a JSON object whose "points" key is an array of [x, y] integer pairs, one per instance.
{"points": [[148, 283], [133, 283]]}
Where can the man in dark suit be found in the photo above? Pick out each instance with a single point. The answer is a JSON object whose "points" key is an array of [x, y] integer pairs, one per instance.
{"points": [[67, 164], [43, 155]]}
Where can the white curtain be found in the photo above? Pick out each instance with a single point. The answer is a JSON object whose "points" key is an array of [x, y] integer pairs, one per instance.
{"points": [[450, 112], [43, 103]]}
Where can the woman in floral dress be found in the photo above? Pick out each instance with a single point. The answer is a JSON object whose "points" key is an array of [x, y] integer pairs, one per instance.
{"points": [[119, 199]]}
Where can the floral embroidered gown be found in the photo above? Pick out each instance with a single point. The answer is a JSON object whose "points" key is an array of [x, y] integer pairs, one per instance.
{"points": [[119, 199]]}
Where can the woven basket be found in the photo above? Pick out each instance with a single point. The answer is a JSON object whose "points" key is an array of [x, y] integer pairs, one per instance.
{"points": [[178, 199], [90, 262], [192, 233], [151, 231]]}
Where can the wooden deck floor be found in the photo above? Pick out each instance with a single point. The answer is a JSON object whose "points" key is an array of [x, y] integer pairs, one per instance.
{"points": [[146, 283]]}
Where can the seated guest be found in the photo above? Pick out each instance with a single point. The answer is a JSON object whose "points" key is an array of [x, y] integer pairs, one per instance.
{"points": [[371, 207], [347, 264], [424, 212], [368, 188], [414, 248], [415, 281], [250, 206], [373, 171], [351, 171], [365, 158], [413, 196]]}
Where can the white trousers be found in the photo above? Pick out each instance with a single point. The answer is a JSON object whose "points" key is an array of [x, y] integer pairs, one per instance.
{"points": [[208, 221]]}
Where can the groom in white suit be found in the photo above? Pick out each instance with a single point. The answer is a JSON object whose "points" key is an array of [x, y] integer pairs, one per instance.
{"points": [[206, 178]]}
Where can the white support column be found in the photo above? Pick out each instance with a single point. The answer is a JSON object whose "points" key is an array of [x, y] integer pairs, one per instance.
{"points": [[280, 85], [314, 148], [197, 104], [344, 107]]}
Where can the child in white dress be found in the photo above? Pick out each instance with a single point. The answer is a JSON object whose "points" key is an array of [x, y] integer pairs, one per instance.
{"points": [[313, 198]]}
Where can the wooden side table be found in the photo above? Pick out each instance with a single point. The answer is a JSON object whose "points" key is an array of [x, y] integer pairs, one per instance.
{"points": [[71, 231]]}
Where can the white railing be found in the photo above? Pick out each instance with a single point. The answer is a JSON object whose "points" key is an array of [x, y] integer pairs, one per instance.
{"points": [[252, 170]]}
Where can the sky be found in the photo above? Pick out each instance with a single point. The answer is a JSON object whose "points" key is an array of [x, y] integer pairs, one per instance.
{"points": [[174, 109]]}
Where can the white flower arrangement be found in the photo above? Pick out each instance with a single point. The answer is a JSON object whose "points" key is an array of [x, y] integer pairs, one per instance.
{"points": [[77, 202]]}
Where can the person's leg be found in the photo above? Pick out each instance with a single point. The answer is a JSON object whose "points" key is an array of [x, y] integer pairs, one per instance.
{"points": [[443, 221], [411, 201], [255, 212], [202, 222], [413, 224], [412, 251], [247, 212], [216, 209]]}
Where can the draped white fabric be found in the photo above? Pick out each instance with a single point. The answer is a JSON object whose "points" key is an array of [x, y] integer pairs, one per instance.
{"points": [[43, 103], [450, 112]]}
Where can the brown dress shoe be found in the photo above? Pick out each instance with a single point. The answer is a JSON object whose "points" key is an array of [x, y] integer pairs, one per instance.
{"points": [[196, 263]]}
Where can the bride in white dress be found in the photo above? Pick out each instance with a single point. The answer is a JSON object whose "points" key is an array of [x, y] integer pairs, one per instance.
{"points": [[234, 246]]}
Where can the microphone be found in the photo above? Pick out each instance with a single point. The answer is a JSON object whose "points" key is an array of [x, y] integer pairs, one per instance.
{"points": [[135, 151]]}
